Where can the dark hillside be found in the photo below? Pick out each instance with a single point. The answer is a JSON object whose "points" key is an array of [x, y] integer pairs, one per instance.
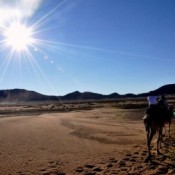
{"points": [[18, 95], [166, 90], [22, 95]]}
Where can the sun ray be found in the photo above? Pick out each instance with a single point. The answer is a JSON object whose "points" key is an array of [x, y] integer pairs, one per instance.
{"points": [[35, 64], [45, 17], [5, 65], [49, 43], [20, 36]]}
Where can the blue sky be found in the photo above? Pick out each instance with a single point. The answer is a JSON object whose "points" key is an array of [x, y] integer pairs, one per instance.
{"points": [[103, 46]]}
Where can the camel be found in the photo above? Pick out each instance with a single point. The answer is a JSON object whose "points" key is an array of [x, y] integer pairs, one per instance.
{"points": [[168, 122], [154, 123]]}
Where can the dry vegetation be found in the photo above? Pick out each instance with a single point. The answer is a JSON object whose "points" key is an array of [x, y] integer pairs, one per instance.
{"points": [[87, 138]]}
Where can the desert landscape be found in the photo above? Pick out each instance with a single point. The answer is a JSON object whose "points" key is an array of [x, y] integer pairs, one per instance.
{"points": [[87, 138], [74, 80]]}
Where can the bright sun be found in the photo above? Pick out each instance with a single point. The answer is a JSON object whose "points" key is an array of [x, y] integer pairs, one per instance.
{"points": [[18, 36]]}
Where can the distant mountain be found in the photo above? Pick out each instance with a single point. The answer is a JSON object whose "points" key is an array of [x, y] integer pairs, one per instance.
{"points": [[92, 96], [83, 96], [22, 95], [166, 90]]}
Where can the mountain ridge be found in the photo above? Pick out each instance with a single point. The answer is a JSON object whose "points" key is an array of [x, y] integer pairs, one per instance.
{"points": [[23, 95]]}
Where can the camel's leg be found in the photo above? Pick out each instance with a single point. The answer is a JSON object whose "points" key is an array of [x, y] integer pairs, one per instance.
{"points": [[159, 139], [169, 129], [147, 135], [150, 135], [164, 133], [147, 129], [147, 132]]}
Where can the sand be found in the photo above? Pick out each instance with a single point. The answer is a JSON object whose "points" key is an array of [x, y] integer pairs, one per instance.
{"points": [[79, 142]]}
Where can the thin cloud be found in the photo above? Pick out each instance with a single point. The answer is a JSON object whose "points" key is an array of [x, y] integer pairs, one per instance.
{"points": [[28, 7], [18, 9]]}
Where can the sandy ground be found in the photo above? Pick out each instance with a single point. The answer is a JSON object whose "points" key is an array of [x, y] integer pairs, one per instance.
{"points": [[88, 142]]}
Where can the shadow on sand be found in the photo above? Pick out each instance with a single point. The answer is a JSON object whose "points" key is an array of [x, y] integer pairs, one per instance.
{"points": [[164, 162]]}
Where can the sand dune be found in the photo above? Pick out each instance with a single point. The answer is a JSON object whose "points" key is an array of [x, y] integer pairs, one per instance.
{"points": [[79, 142]]}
